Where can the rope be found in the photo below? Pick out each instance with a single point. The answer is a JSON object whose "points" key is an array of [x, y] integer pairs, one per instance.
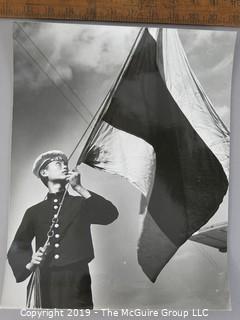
{"points": [[50, 232], [57, 87], [30, 290], [107, 100], [53, 67], [34, 288], [35, 280]]}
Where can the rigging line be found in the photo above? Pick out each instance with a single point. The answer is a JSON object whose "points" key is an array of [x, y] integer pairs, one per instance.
{"points": [[107, 98], [34, 281], [210, 106], [57, 87], [206, 255], [54, 67], [86, 130], [111, 93], [105, 103]]}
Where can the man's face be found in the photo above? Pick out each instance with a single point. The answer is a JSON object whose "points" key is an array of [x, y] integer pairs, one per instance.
{"points": [[56, 170]]}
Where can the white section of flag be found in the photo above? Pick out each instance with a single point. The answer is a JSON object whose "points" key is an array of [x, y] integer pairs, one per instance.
{"points": [[124, 154], [191, 98]]}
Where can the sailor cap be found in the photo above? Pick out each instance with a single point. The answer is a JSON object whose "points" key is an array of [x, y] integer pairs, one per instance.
{"points": [[47, 157]]}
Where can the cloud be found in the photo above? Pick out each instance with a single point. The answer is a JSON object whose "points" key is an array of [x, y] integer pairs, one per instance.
{"points": [[209, 50], [95, 53], [208, 39], [210, 54], [69, 47]]}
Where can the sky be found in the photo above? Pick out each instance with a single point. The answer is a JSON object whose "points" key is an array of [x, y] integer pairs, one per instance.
{"points": [[54, 100]]}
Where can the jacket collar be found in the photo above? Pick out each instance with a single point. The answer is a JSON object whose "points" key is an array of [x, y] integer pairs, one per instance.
{"points": [[58, 195]]}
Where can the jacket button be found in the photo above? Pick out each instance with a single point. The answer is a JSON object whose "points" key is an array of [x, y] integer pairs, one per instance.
{"points": [[56, 245], [57, 235], [55, 207], [56, 225], [56, 256], [55, 200]]}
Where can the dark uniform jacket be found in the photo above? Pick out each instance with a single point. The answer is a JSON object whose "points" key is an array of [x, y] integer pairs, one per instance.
{"points": [[71, 242]]}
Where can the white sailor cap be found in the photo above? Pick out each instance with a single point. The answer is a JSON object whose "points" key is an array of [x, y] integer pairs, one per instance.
{"points": [[47, 157]]}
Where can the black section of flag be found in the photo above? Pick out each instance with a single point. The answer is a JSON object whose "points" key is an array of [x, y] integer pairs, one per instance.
{"points": [[190, 182]]}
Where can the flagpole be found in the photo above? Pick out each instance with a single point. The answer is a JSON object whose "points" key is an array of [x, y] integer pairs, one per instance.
{"points": [[106, 102]]}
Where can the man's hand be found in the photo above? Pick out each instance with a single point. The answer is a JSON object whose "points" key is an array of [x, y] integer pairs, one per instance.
{"points": [[37, 258], [74, 178]]}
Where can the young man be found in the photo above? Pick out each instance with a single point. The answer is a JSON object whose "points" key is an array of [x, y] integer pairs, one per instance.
{"points": [[64, 274]]}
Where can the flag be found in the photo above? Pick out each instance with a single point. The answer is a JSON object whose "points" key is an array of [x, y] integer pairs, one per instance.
{"points": [[145, 137], [190, 96]]}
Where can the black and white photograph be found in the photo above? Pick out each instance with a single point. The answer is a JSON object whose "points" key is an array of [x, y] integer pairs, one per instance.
{"points": [[119, 168]]}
